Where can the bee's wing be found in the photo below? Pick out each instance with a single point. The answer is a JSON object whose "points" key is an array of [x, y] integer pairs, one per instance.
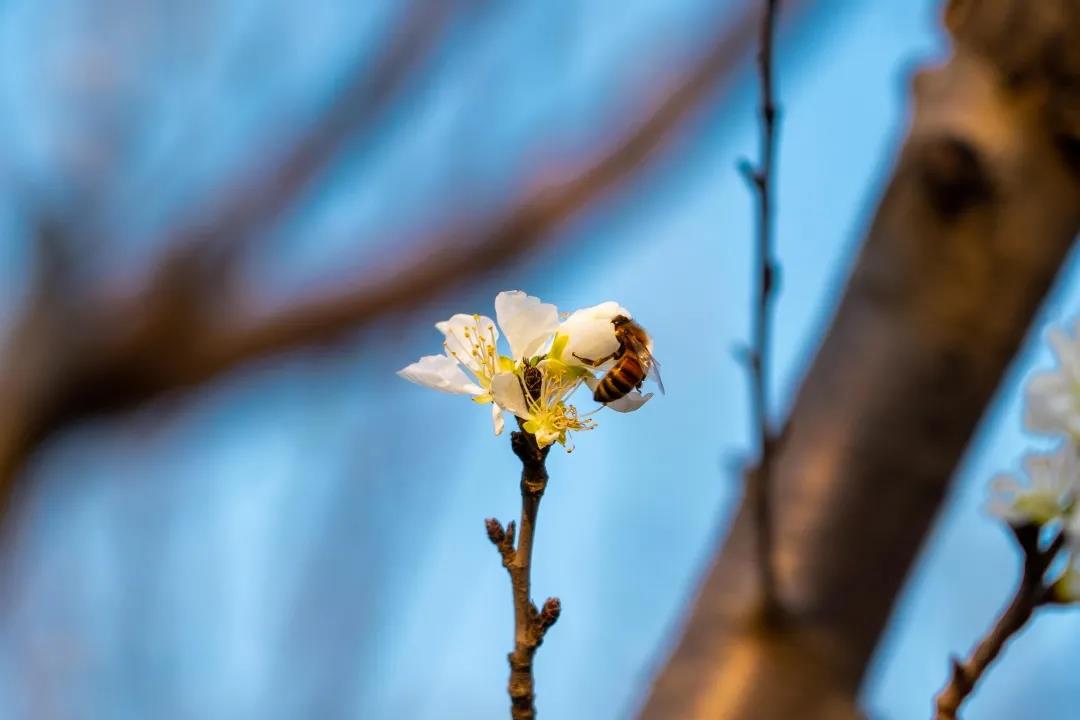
{"points": [[654, 373], [652, 365]]}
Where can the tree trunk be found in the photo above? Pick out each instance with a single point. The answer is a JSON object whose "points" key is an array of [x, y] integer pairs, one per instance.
{"points": [[978, 217]]}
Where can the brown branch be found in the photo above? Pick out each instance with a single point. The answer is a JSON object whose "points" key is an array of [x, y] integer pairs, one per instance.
{"points": [[530, 624], [266, 189], [1031, 593], [180, 332], [982, 208], [467, 250], [761, 178]]}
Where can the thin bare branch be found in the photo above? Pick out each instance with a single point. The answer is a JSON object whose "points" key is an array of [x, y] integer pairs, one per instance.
{"points": [[1031, 593], [761, 179], [530, 624]]}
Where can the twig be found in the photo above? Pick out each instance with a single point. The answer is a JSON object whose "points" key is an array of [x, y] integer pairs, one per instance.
{"points": [[1032, 593], [530, 624], [761, 179]]}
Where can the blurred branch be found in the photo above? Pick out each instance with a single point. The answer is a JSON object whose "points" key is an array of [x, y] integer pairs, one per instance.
{"points": [[180, 332], [761, 178], [982, 208], [530, 624], [1032, 593], [466, 251], [265, 190]]}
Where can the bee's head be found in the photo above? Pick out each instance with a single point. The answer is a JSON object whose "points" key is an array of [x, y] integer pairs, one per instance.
{"points": [[620, 320]]}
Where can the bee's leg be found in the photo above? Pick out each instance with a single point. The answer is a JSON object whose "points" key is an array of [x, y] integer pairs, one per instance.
{"points": [[595, 363]]}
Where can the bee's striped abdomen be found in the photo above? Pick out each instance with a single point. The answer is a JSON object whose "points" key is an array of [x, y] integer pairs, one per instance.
{"points": [[624, 376]]}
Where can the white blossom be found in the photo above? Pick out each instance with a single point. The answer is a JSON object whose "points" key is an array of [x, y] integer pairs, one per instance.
{"points": [[629, 402], [1053, 397], [471, 344], [542, 371], [441, 372], [527, 322], [588, 333], [542, 404], [1067, 587], [1049, 495]]}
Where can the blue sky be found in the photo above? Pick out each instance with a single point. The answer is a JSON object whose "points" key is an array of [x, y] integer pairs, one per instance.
{"points": [[305, 538]]}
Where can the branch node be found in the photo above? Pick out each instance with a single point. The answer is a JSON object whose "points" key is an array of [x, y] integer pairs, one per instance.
{"points": [[530, 622], [761, 179], [549, 614], [770, 276], [751, 173], [495, 532], [960, 676]]}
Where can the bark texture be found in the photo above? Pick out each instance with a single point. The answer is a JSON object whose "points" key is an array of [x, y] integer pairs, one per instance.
{"points": [[981, 210], [530, 624]]}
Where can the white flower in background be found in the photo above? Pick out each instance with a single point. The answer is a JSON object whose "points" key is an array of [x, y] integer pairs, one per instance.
{"points": [[543, 369], [1067, 587], [1050, 495], [1053, 398]]}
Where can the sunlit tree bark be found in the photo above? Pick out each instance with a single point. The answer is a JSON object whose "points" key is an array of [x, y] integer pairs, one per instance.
{"points": [[981, 210]]}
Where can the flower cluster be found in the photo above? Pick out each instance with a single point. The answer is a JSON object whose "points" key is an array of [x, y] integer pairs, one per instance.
{"points": [[546, 364], [1050, 497]]}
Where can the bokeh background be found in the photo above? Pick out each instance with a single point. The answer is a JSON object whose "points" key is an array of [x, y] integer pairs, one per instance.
{"points": [[302, 537]]}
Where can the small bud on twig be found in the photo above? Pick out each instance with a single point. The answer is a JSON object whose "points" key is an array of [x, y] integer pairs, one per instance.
{"points": [[495, 531], [959, 674], [751, 173], [549, 614]]}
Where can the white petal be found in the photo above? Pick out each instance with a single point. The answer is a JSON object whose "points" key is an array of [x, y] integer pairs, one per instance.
{"points": [[527, 323], [506, 391], [1050, 404], [590, 334], [1005, 485], [1067, 350], [468, 337], [1047, 494], [1006, 511], [441, 373], [497, 418], [629, 402]]}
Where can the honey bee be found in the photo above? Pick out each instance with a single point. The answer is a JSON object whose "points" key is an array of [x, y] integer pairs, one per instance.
{"points": [[633, 362]]}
